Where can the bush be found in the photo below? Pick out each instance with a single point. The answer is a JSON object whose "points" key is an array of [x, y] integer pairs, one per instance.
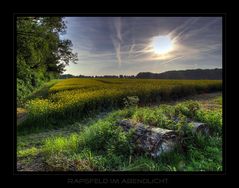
{"points": [[105, 137], [131, 101], [27, 152], [212, 118], [61, 145], [188, 108], [58, 162], [23, 90]]}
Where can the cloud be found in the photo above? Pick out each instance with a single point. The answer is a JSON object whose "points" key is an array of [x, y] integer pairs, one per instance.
{"points": [[117, 38], [105, 42], [173, 59]]}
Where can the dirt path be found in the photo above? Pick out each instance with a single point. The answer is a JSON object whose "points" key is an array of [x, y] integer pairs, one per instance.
{"points": [[202, 98]]}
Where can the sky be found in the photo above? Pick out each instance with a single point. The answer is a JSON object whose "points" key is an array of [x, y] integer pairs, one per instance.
{"points": [[129, 45]]}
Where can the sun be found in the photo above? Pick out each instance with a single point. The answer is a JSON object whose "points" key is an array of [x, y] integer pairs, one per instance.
{"points": [[161, 44]]}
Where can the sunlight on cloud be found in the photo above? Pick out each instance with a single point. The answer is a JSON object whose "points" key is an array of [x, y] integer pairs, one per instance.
{"points": [[136, 44], [161, 44]]}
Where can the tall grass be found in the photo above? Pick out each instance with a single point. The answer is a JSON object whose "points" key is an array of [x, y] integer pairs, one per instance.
{"points": [[105, 147]]}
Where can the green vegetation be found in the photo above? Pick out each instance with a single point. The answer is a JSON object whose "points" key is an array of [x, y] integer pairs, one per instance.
{"points": [[98, 145], [41, 54], [71, 124], [78, 98]]}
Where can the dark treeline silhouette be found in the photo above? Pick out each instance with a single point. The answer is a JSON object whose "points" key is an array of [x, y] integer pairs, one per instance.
{"points": [[194, 74], [64, 76]]}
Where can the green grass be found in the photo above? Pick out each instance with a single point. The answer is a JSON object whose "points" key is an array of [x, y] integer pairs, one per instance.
{"points": [[61, 144], [27, 152], [97, 144], [218, 100]]}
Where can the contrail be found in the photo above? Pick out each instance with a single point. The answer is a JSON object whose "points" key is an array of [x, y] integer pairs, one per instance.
{"points": [[117, 38], [179, 57]]}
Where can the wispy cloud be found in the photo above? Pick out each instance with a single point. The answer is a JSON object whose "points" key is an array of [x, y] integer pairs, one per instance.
{"points": [[123, 44], [173, 59], [117, 38]]}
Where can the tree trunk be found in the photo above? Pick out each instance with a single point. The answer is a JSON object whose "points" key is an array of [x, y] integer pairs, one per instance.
{"points": [[155, 141], [151, 140]]}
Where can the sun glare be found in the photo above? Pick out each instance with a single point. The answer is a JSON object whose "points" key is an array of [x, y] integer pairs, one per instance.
{"points": [[161, 44]]}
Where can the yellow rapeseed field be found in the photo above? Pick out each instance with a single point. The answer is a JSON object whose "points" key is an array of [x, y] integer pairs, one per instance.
{"points": [[77, 96]]}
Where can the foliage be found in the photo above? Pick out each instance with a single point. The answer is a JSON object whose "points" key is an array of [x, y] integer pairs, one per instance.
{"points": [[28, 152], [195, 74], [61, 145], [213, 118], [23, 90], [41, 54], [188, 108], [103, 146], [131, 101]]}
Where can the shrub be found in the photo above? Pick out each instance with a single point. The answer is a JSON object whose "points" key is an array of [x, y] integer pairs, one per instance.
{"points": [[131, 101], [212, 118], [23, 90], [61, 145], [188, 108], [27, 152], [58, 162]]}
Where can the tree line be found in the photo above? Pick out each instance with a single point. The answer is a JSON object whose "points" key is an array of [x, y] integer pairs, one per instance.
{"points": [[194, 74], [41, 54]]}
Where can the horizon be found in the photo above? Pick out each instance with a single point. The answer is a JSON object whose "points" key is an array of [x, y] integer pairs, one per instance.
{"points": [[129, 45], [140, 72]]}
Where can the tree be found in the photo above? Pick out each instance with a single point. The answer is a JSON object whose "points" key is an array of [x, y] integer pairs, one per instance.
{"points": [[41, 54]]}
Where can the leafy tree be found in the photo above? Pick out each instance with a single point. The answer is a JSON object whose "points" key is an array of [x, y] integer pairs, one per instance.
{"points": [[41, 54]]}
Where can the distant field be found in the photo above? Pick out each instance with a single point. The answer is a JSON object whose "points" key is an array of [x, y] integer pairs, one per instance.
{"points": [[78, 97], [133, 84]]}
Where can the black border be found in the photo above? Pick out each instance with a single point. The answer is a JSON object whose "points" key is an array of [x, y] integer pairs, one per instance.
{"points": [[163, 177]]}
